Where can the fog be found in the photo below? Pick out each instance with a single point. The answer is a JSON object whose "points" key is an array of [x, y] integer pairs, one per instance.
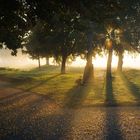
{"points": [[23, 61]]}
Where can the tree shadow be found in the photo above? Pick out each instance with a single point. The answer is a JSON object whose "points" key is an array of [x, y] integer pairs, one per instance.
{"points": [[110, 100], [133, 88], [23, 93], [73, 100], [61, 121], [112, 119], [113, 131], [76, 96]]}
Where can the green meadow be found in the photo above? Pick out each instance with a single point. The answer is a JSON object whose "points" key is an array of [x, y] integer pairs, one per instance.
{"points": [[122, 89]]}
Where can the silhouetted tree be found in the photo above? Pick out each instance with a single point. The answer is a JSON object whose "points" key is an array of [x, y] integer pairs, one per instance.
{"points": [[13, 24], [127, 33]]}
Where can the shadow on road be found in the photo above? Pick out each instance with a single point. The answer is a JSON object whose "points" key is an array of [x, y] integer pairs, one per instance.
{"points": [[63, 124], [56, 125], [112, 119]]}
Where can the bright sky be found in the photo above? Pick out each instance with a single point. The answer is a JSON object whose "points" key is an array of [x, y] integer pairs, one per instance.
{"points": [[23, 61]]}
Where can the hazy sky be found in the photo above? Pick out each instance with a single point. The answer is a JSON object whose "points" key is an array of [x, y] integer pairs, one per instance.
{"points": [[23, 61]]}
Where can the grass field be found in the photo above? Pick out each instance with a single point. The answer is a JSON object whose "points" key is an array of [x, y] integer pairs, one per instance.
{"points": [[43, 104], [65, 89]]}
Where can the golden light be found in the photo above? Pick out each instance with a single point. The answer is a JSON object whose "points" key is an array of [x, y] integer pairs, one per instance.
{"points": [[118, 35], [109, 29], [108, 43], [98, 61]]}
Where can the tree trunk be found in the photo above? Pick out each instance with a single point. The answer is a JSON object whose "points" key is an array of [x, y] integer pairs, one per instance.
{"points": [[88, 72], [63, 65], [109, 63], [39, 61], [120, 61], [47, 61]]}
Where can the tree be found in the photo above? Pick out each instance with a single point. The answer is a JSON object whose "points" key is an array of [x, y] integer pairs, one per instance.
{"points": [[94, 22], [67, 20], [127, 32], [60, 26], [110, 53], [13, 24], [36, 42], [65, 43], [124, 33]]}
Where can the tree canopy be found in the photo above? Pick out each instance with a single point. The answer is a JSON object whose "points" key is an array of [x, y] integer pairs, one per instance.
{"points": [[64, 28]]}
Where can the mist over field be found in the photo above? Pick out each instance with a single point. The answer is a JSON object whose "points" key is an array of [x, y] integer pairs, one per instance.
{"points": [[23, 61]]}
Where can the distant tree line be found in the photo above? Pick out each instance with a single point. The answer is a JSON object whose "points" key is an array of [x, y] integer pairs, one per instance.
{"points": [[63, 29]]}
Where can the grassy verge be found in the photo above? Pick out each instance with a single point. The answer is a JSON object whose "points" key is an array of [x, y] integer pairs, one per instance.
{"points": [[122, 89]]}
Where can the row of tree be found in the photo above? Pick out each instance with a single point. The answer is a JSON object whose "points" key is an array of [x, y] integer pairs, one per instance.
{"points": [[63, 29]]}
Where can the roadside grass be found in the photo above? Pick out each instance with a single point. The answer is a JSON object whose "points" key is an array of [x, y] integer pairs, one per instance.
{"points": [[122, 89]]}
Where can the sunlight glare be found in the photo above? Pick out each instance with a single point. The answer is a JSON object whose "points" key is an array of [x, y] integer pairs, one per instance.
{"points": [[23, 61]]}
